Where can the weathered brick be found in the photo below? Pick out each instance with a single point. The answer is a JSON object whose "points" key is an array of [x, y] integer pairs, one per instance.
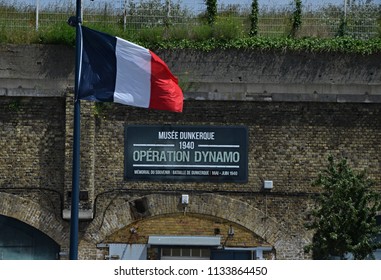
{"points": [[288, 142]]}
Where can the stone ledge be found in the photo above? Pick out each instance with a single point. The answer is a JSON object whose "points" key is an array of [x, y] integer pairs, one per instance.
{"points": [[370, 93], [27, 92], [286, 97]]}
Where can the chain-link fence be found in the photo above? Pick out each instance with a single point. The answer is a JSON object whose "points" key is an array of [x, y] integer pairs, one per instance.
{"points": [[356, 18]]}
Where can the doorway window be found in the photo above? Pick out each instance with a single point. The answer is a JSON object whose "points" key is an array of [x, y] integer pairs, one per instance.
{"points": [[181, 253]]}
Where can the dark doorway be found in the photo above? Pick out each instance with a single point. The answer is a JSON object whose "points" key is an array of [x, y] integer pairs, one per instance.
{"points": [[230, 255], [20, 241]]}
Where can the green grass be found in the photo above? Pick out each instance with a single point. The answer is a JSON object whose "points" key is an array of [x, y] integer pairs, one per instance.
{"points": [[229, 31], [205, 38]]}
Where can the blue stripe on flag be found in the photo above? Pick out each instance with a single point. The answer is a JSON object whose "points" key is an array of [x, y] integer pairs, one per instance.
{"points": [[98, 75]]}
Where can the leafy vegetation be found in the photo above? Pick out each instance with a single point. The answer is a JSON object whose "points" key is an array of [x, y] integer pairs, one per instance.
{"points": [[345, 222], [211, 11], [339, 44], [228, 28], [296, 18], [254, 18]]}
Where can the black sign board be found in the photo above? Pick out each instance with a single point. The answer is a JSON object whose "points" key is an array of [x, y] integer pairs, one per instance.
{"points": [[186, 153]]}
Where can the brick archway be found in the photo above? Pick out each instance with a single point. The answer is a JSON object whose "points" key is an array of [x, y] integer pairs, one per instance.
{"points": [[34, 215], [121, 214]]}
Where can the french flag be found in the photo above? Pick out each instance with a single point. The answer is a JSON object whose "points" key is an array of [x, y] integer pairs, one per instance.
{"points": [[116, 70]]}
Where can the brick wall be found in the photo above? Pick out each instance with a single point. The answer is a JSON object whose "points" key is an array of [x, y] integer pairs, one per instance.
{"points": [[289, 143], [32, 143]]}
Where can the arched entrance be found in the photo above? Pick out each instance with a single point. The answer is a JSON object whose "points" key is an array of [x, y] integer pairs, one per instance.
{"points": [[180, 236], [19, 241], [124, 212]]}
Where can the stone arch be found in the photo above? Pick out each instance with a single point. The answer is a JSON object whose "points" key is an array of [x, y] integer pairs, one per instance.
{"points": [[208, 203], [34, 215]]}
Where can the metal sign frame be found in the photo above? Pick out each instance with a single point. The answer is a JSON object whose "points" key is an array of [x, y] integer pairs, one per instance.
{"points": [[186, 153]]}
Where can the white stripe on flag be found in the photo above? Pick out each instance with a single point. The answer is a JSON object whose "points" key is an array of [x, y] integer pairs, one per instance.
{"points": [[133, 74]]}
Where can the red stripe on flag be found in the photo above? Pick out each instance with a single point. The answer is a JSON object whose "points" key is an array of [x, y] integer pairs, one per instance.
{"points": [[165, 91]]}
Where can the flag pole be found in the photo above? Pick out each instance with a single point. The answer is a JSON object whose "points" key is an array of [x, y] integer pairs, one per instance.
{"points": [[73, 253]]}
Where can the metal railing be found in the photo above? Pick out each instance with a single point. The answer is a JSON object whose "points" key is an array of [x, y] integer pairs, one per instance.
{"points": [[360, 19]]}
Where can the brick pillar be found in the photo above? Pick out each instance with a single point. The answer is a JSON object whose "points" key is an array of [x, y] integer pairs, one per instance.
{"points": [[86, 158]]}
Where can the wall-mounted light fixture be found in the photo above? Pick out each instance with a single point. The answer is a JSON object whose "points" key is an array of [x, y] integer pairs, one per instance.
{"points": [[185, 199], [267, 185], [230, 231], [185, 202], [229, 236]]}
